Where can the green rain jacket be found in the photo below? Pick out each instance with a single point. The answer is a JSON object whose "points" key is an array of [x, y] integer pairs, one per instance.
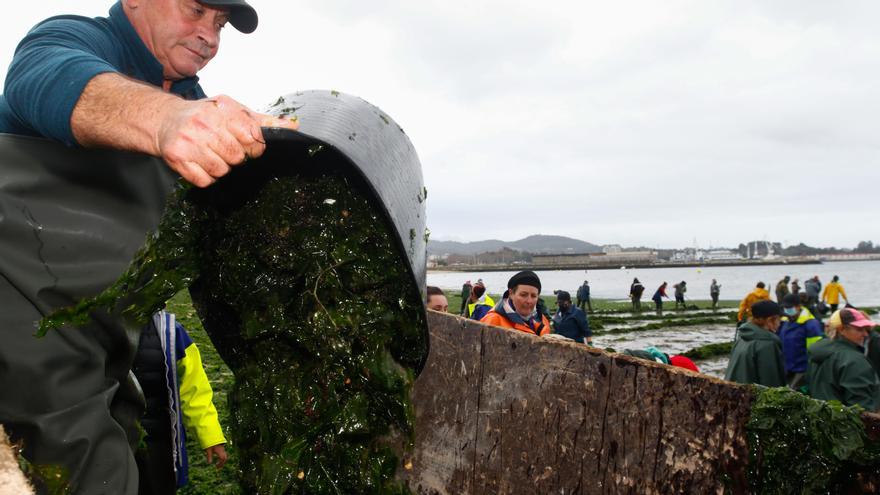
{"points": [[839, 371], [756, 358]]}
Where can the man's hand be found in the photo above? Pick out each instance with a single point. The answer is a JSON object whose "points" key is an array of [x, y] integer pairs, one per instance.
{"points": [[201, 140], [218, 451]]}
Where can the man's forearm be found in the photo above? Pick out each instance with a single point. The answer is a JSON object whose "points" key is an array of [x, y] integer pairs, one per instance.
{"points": [[121, 113], [200, 140]]}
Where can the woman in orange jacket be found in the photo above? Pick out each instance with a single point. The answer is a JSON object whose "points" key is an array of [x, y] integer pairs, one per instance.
{"points": [[517, 307]]}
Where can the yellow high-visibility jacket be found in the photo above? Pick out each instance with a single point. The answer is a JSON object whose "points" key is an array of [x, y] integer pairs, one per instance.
{"points": [[745, 307], [190, 393], [832, 292]]}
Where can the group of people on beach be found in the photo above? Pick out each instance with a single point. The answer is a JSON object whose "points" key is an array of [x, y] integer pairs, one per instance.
{"points": [[777, 343], [520, 308], [785, 343]]}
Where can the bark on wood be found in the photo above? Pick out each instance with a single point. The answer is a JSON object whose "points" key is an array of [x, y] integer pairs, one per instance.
{"points": [[499, 411]]}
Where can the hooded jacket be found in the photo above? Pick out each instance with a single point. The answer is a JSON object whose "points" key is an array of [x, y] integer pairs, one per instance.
{"points": [[572, 324], [503, 315], [745, 307], [833, 292], [840, 371], [172, 364], [756, 358], [636, 290], [797, 336], [478, 309]]}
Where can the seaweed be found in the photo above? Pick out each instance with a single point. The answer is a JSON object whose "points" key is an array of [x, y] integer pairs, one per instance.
{"points": [[306, 296], [709, 350], [655, 326], [802, 445], [165, 264], [303, 299], [47, 479]]}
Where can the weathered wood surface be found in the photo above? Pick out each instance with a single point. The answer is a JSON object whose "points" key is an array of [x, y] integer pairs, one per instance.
{"points": [[503, 412], [12, 480]]}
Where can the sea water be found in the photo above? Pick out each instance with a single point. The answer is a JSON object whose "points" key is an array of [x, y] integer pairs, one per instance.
{"points": [[860, 279]]}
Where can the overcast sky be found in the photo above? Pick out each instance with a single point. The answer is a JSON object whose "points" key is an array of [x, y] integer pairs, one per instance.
{"points": [[638, 123]]}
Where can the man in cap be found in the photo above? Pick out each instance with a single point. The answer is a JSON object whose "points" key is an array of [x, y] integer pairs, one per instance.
{"points": [[125, 82], [571, 321], [757, 353], [516, 310], [839, 369], [799, 331], [128, 81]]}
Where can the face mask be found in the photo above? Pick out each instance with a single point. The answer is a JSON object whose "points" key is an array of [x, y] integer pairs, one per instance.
{"points": [[790, 311]]}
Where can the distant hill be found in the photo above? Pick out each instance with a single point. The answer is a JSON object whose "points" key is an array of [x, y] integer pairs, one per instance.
{"points": [[536, 244]]}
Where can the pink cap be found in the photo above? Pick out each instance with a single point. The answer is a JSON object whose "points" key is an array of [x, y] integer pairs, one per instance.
{"points": [[855, 318]]}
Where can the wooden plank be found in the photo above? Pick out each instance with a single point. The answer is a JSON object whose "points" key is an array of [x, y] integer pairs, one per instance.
{"points": [[504, 412]]}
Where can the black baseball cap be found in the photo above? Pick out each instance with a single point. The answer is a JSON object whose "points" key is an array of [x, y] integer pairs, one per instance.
{"points": [[765, 309], [563, 296], [241, 15]]}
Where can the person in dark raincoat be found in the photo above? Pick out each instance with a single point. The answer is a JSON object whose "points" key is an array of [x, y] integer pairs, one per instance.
{"points": [[757, 353], [839, 369], [583, 297], [635, 294], [571, 321]]}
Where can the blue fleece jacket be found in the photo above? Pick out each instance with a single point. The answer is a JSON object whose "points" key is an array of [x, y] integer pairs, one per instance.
{"points": [[59, 56], [572, 324]]}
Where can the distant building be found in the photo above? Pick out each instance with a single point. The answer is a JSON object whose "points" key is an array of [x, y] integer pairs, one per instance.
{"points": [[718, 255], [687, 255], [599, 259], [612, 249]]}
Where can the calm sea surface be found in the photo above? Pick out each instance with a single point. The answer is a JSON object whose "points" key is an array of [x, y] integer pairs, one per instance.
{"points": [[860, 279]]}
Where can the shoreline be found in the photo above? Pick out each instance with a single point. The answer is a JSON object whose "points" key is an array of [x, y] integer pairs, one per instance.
{"points": [[618, 266]]}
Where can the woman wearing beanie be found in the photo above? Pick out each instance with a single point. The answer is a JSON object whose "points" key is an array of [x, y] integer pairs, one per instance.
{"points": [[516, 310]]}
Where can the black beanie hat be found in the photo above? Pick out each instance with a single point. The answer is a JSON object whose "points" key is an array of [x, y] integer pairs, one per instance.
{"points": [[765, 309], [526, 277]]}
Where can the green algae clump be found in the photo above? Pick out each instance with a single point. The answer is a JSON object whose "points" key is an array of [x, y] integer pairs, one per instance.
{"points": [[307, 296], [801, 445]]}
